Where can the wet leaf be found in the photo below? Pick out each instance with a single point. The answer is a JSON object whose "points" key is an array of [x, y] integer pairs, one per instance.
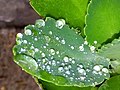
{"points": [[56, 54]]}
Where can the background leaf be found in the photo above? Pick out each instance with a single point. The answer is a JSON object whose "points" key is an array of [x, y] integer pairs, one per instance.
{"points": [[73, 11], [112, 84], [112, 51], [103, 20], [54, 53]]}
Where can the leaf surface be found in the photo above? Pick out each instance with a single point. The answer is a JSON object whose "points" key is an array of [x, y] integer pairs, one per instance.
{"points": [[112, 84], [54, 53]]}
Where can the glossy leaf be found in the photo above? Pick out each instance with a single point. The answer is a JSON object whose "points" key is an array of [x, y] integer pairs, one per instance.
{"points": [[56, 54], [73, 11], [102, 21], [112, 84]]}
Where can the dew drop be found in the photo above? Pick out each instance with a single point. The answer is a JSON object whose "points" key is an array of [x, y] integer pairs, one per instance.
{"points": [[28, 32], [35, 39], [60, 69], [67, 72], [43, 54], [60, 23], [52, 51], [73, 62], [81, 71], [72, 47], [47, 38], [97, 68], [92, 48], [40, 23], [28, 62], [19, 35], [63, 41], [81, 48], [36, 49], [105, 70], [66, 59], [48, 67], [50, 32], [95, 42], [25, 41], [85, 42], [57, 52]]}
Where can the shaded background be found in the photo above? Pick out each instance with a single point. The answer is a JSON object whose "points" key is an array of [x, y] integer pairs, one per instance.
{"points": [[14, 15]]}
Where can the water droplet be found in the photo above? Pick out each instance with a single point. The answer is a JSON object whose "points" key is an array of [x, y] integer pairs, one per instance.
{"points": [[81, 48], [40, 23], [105, 70], [82, 78], [72, 47], [35, 39], [28, 62], [85, 42], [32, 47], [81, 71], [50, 32], [25, 41], [53, 63], [48, 67], [57, 38], [73, 62], [67, 72], [28, 32], [60, 69], [97, 68], [36, 49], [66, 59], [57, 52], [47, 38], [60, 23], [92, 48], [63, 41], [95, 42], [43, 54], [44, 46], [52, 51], [19, 35]]}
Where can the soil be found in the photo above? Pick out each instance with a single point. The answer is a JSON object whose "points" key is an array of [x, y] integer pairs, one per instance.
{"points": [[11, 75]]}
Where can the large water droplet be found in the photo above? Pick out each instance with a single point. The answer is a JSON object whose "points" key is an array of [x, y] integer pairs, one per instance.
{"points": [[66, 59], [28, 32], [63, 41], [97, 68], [40, 23], [52, 51], [60, 69], [60, 23], [26, 62], [105, 70], [81, 48], [19, 35]]}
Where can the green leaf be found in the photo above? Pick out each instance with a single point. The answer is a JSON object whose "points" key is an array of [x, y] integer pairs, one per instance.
{"points": [[103, 20], [50, 86], [112, 84], [112, 51], [73, 11], [56, 54]]}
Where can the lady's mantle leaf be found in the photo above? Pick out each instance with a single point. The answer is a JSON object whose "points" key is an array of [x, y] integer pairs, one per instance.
{"points": [[111, 84], [52, 52], [103, 20], [112, 51], [73, 11]]}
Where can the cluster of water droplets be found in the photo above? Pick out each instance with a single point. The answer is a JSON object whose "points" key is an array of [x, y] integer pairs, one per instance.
{"points": [[55, 61]]}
